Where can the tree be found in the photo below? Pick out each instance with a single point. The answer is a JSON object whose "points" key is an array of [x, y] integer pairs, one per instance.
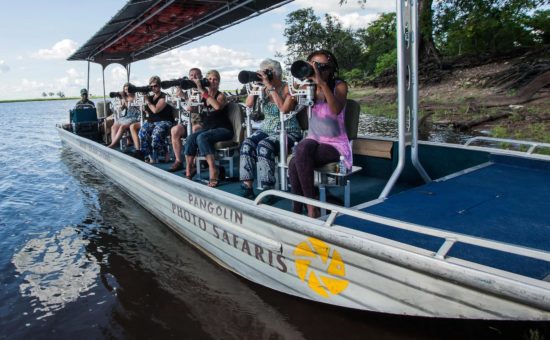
{"points": [[60, 94], [342, 42], [487, 26], [44, 94], [304, 33], [427, 48], [51, 94], [377, 40]]}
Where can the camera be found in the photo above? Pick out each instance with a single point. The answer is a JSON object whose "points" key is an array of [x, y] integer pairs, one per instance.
{"points": [[115, 95], [139, 89], [302, 69], [166, 84], [184, 83], [246, 77]]}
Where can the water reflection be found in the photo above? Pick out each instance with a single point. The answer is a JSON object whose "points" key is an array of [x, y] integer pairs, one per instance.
{"points": [[161, 286], [56, 270]]}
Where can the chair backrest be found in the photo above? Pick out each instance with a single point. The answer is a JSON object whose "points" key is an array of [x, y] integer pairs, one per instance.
{"points": [[302, 118], [353, 111], [235, 116]]}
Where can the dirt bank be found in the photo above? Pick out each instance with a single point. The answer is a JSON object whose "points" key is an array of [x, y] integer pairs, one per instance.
{"points": [[454, 102]]}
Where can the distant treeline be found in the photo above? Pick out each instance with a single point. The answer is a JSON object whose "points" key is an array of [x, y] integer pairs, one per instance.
{"points": [[448, 29]]}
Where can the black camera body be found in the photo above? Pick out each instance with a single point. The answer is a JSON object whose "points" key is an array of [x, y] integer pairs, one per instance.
{"points": [[246, 77], [115, 95], [302, 69], [139, 89]]}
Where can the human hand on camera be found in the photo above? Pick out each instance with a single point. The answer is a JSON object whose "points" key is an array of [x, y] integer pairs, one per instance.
{"points": [[265, 78], [199, 85], [317, 74]]}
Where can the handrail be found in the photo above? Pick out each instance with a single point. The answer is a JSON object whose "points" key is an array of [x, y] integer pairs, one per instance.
{"points": [[450, 238], [533, 144]]}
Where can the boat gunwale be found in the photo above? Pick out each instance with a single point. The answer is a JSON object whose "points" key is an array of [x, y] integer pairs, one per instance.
{"points": [[512, 286]]}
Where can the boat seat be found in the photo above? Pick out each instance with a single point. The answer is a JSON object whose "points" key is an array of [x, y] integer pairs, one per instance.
{"points": [[327, 175], [225, 150]]}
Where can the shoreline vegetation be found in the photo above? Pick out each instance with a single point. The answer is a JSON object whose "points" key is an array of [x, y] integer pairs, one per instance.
{"points": [[451, 103]]}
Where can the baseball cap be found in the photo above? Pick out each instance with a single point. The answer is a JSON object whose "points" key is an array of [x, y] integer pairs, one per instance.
{"points": [[83, 91]]}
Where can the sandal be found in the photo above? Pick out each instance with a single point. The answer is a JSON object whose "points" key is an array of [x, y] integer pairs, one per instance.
{"points": [[176, 166], [213, 182], [191, 175]]}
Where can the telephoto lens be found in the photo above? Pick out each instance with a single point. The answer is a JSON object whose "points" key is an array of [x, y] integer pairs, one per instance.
{"points": [[166, 84], [115, 95], [139, 89], [301, 69], [246, 77], [187, 84]]}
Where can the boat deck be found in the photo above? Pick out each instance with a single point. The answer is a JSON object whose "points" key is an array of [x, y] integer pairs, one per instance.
{"points": [[506, 200]]}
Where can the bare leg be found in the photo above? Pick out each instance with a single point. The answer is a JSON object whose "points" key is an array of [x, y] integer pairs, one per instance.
{"points": [[177, 132], [118, 134], [190, 166], [134, 131], [213, 171]]}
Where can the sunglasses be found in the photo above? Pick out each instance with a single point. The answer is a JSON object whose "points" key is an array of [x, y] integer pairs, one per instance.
{"points": [[154, 85]]}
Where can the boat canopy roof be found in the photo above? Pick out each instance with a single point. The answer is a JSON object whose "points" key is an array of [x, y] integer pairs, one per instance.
{"points": [[145, 28]]}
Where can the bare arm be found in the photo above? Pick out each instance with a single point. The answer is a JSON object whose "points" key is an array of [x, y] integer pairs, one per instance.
{"points": [[336, 101], [161, 104]]}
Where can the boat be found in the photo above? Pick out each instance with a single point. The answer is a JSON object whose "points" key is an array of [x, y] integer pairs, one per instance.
{"points": [[432, 229]]}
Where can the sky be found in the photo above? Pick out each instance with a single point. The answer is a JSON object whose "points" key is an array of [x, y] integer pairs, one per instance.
{"points": [[37, 37]]}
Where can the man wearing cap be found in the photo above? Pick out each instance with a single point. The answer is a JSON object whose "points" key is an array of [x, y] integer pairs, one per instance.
{"points": [[84, 98]]}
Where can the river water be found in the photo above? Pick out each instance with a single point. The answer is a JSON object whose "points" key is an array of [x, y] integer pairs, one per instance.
{"points": [[80, 259]]}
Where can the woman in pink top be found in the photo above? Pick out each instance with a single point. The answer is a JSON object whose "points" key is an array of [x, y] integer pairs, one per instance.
{"points": [[327, 139]]}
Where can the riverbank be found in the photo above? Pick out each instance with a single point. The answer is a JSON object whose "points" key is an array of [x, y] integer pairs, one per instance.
{"points": [[45, 99], [452, 104]]}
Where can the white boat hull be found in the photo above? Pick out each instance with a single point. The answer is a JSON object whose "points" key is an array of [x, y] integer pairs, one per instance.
{"points": [[299, 256]]}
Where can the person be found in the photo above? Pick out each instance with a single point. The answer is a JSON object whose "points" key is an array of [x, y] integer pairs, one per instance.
{"points": [[132, 114], [158, 122], [215, 127], [134, 132], [84, 98], [327, 139], [179, 131], [263, 145]]}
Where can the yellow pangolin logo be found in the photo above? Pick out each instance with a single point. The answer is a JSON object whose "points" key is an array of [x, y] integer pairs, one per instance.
{"points": [[323, 283]]}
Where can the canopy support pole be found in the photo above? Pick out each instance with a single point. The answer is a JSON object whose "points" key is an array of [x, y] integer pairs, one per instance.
{"points": [[104, 94], [407, 94], [88, 78]]}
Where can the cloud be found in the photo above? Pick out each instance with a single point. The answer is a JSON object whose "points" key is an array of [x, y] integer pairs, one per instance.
{"points": [[228, 62], [3, 67], [60, 50], [351, 14], [354, 20], [371, 6]]}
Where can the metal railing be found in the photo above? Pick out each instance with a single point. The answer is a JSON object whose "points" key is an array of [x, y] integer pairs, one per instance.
{"points": [[449, 238], [533, 145]]}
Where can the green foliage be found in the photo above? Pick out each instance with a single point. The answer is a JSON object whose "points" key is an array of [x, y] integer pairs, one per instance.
{"points": [[457, 26], [304, 33], [539, 25], [354, 76], [377, 40], [486, 26], [385, 61]]}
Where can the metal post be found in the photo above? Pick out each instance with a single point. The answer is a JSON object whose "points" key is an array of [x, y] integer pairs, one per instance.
{"points": [[104, 94], [88, 78], [414, 86], [407, 85], [283, 183]]}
